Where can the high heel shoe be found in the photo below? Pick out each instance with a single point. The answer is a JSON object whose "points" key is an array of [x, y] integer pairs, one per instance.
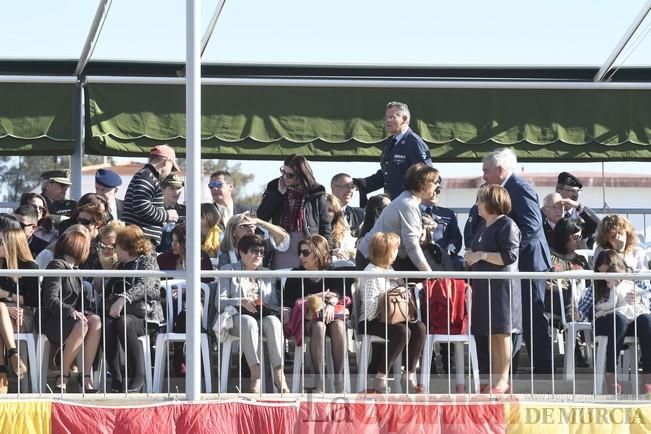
{"points": [[411, 387], [18, 366], [87, 388], [62, 384]]}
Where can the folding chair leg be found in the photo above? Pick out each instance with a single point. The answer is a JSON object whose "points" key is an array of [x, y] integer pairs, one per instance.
{"points": [[459, 365], [426, 368], [160, 363], [362, 364], [570, 345], [298, 364], [205, 354], [600, 363], [146, 349], [472, 347]]}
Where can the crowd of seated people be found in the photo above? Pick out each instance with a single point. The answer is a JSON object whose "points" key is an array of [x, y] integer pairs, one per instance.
{"points": [[298, 226]]}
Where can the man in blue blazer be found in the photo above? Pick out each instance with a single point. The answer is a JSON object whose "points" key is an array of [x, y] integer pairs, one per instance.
{"points": [[498, 168], [402, 149]]}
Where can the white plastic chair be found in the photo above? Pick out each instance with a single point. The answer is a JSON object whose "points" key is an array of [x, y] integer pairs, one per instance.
{"points": [[364, 347], [168, 336], [459, 342], [601, 342], [298, 366], [34, 367]]}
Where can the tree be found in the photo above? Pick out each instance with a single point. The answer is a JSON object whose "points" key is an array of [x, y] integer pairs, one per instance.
{"points": [[23, 173]]}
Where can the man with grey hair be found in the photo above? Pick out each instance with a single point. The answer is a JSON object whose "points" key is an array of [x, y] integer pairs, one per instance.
{"points": [[401, 150], [499, 167], [552, 212]]}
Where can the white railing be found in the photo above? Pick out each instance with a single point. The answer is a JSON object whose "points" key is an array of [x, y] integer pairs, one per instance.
{"points": [[565, 381]]}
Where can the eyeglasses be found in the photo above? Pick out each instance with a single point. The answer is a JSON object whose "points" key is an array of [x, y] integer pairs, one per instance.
{"points": [[437, 190], [256, 252], [84, 221], [304, 252], [248, 226], [215, 184], [576, 237], [289, 175], [26, 225], [38, 208], [349, 186], [103, 246], [572, 189]]}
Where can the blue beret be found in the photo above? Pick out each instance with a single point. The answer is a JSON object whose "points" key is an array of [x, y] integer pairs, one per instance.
{"points": [[108, 178]]}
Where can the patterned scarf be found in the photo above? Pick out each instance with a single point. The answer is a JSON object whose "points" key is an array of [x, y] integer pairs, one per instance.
{"points": [[291, 217]]}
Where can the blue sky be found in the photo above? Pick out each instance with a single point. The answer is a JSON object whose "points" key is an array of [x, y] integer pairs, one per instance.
{"points": [[407, 32]]}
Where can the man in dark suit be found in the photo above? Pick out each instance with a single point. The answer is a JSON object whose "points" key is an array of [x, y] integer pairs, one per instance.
{"points": [[402, 149], [569, 187], [342, 187], [106, 185], [445, 233], [498, 168]]}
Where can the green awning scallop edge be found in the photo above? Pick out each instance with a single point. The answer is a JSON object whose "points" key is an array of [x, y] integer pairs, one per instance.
{"points": [[345, 124], [37, 119]]}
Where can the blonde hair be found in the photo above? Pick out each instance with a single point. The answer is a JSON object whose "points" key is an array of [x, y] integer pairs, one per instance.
{"points": [[339, 225], [382, 247], [16, 249], [228, 241], [114, 226]]}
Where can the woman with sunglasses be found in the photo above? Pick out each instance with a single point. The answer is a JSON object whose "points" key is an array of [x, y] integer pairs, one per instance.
{"points": [[275, 238], [565, 239], [45, 230], [100, 217], [296, 203], [256, 302], [314, 255], [20, 297]]}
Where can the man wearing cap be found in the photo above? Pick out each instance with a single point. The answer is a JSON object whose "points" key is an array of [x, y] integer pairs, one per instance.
{"points": [[569, 187], [402, 149], [106, 185], [54, 186], [172, 186], [143, 202], [221, 190]]}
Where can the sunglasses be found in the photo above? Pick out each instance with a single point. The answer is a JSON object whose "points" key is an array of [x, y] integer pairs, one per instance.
{"points": [[304, 252], [576, 237], [248, 226], [84, 221], [349, 186], [103, 246], [256, 252], [215, 184], [26, 225], [38, 208], [283, 172]]}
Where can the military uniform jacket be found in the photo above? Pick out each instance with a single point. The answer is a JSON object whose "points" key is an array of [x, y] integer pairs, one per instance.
{"points": [[395, 161]]}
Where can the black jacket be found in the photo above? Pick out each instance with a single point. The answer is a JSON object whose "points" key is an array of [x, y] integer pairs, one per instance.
{"points": [[315, 209]]}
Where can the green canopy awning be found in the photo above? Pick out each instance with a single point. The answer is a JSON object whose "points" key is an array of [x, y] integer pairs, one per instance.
{"points": [[37, 119], [347, 123]]}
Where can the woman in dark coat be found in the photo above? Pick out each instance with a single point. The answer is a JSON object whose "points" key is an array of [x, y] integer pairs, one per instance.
{"points": [[496, 303], [66, 295], [296, 203], [132, 301]]}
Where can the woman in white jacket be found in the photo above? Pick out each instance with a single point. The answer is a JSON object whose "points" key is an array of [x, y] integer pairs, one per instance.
{"points": [[256, 301]]}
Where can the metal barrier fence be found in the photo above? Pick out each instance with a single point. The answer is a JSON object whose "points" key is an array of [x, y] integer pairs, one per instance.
{"points": [[464, 366]]}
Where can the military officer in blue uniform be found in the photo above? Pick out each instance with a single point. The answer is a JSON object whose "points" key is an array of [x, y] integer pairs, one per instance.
{"points": [[402, 149]]}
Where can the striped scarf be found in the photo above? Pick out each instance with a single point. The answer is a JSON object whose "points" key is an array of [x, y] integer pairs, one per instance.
{"points": [[292, 218]]}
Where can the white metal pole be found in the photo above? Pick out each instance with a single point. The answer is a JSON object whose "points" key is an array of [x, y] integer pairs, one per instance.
{"points": [[601, 74], [77, 158], [193, 160]]}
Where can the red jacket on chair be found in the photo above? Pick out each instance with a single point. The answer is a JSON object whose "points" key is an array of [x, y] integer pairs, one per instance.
{"points": [[437, 294]]}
